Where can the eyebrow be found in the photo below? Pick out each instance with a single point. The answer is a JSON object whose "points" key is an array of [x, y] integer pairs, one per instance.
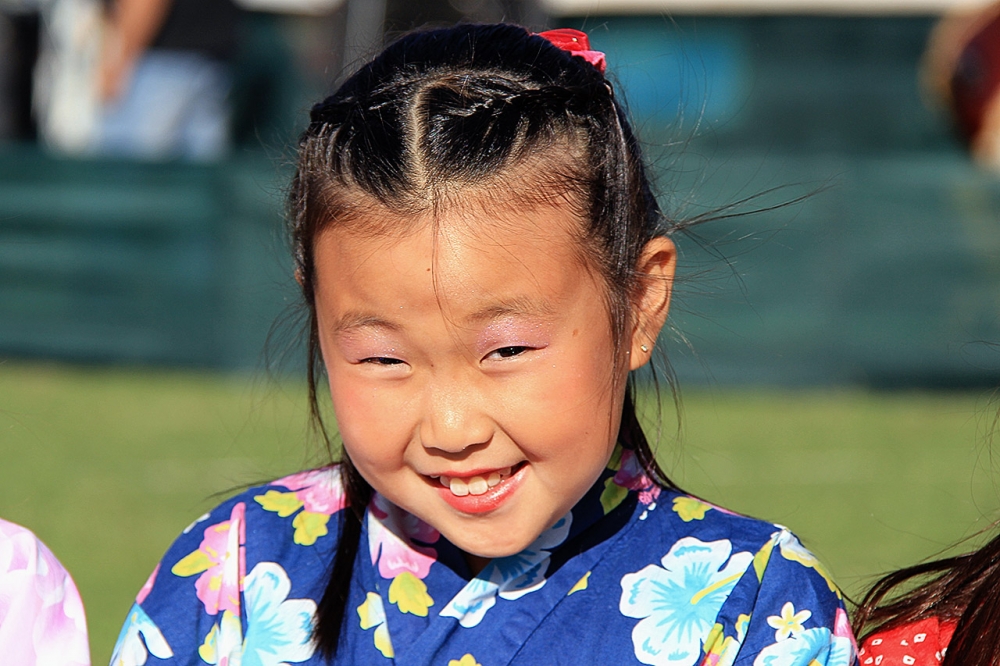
{"points": [[519, 306], [524, 307], [354, 320]]}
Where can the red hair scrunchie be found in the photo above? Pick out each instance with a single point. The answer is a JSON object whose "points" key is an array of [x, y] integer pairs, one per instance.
{"points": [[576, 43]]}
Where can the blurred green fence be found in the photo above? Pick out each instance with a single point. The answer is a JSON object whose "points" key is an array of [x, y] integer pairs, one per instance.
{"points": [[888, 274], [125, 262]]}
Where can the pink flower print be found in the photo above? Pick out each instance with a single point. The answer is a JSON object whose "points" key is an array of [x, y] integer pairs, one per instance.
{"points": [[147, 587], [842, 628], [631, 475], [319, 493], [649, 495], [221, 561], [319, 490], [41, 614], [391, 532]]}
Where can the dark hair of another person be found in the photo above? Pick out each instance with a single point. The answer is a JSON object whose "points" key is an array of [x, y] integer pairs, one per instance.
{"points": [[963, 589], [443, 111]]}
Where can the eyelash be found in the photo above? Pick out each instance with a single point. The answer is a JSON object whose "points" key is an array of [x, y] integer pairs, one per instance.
{"points": [[510, 351], [382, 360]]}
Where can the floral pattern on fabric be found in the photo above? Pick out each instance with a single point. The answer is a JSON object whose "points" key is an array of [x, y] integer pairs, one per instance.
{"points": [[690, 508], [721, 649], [817, 646], [139, 638], [792, 549], [509, 578], [221, 561], [921, 643], [280, 629], [677, 603], [41, 614], [393, 541], [789, 623], [223, 645], [318, 493], [372, 614], [629, 475], [696, 592]]}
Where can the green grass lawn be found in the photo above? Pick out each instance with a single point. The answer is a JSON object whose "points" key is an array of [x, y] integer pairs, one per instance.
{"points": [[107, 466]]}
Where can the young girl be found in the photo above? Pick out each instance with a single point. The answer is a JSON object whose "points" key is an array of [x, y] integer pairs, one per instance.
{"points": [[952, 618], [484, 264]]}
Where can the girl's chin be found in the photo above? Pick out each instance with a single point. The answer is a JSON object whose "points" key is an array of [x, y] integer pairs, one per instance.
{"points": [[485, 547]]}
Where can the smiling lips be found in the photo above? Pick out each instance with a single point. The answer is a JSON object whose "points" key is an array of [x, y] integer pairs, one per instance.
{"points": [[480, 493], [476, 485]]}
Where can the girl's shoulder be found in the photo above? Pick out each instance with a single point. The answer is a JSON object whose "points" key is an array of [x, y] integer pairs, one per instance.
{"points": [[920, 643], [277, 521], [258, 558], [771, 550], [696, 517]]}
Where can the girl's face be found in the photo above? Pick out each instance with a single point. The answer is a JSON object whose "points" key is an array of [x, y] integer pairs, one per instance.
{"points": [[471, 367]]}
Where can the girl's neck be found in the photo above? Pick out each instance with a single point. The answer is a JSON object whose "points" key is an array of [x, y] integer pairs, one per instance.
{"points": [[476, 563]]}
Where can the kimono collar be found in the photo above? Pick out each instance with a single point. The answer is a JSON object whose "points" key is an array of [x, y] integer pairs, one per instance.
{"points": [[400, 542], [420, 589]]}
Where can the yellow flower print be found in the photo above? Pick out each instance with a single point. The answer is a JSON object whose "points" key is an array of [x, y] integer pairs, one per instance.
{"points": [[283, 504], [224, 643], [309, 527], [761, 559], [792, 549], [720, 650], [466, 660], [318, 493], [372, 614], [789, 623], [580, 584], [612, 496], [713, 636], [690, 508], [742, 622], [409, 593]]}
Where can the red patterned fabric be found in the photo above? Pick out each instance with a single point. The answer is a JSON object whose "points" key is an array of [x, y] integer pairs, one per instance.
{"points": [[922, 643]]}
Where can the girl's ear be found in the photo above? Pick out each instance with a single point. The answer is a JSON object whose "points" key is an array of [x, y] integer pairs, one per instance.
{"points": [[656, 283]]}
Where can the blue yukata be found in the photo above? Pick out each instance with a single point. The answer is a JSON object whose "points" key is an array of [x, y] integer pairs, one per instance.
{"points": [[632, 575]]}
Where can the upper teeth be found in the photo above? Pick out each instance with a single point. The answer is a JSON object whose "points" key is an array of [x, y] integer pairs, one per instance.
{"points": [[477, 485]]}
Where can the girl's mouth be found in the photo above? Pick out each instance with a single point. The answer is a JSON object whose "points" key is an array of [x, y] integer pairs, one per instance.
{"points": [[480, 493], [475, 485]]}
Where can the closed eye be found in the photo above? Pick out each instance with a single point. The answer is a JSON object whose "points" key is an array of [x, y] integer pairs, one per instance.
{"points": [[382, 360], [508, 352]]}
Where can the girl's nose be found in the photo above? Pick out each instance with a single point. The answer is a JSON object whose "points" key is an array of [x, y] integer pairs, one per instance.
{"points": [[453, 421]]}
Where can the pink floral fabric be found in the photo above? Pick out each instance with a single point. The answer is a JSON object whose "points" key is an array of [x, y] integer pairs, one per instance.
{"points": [[41, 615], [221, 562], [390, 540]]}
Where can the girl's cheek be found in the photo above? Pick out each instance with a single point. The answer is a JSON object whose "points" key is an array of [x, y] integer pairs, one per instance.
{"points": [[357, 408]]}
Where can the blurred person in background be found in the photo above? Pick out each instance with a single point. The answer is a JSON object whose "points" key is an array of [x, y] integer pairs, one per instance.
{"points": [[18, 51], [164, 78], [41, 615], [962, 71], [947, 611]]}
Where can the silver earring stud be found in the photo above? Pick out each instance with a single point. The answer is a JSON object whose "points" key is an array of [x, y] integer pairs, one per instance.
{"points": [[644, 348]]}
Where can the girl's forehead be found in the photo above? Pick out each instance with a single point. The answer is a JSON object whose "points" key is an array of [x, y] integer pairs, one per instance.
{"points": [[468, 254], [470, 216]]}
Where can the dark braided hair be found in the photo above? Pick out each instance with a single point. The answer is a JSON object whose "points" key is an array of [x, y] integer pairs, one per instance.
{"points": [[456, 108]]}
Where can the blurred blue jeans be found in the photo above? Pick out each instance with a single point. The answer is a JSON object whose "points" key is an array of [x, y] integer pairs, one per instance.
{"points": [[175, 107]]}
